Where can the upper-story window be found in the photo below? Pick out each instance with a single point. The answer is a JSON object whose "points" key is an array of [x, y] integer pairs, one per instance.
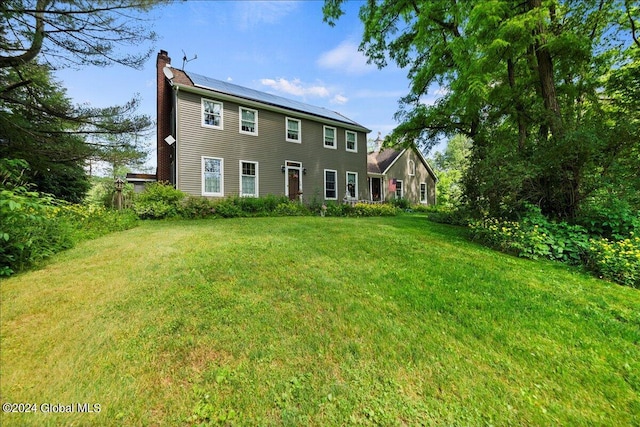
{"points": [[294, 130], [412, 168], [211, 113], [248, 121], [352, 141], [330, 137]]}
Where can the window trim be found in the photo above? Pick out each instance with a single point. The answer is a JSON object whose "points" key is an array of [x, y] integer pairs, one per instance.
{"points": [[286, 130], [202, 113], [401, 182], [202, 171], [355, 141], [335, 190], [242, 193], [246, 132], [324, 137], [349, 197], [426, 194]]}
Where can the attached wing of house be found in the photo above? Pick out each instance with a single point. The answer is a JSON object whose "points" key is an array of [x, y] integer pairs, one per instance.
{"points": [[400, 173]]}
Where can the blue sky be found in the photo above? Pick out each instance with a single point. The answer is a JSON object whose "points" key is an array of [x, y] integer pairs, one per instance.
{"points": [[280, 47]]}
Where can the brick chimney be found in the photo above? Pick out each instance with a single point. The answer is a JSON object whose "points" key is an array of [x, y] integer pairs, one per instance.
{"points": [[165, 151]]}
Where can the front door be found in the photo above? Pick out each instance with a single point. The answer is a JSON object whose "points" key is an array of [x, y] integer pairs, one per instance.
{"points": [[294, 181], [294, 184], [375, 189]]}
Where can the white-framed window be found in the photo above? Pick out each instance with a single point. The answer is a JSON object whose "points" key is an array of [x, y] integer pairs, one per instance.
{"points": [[248, 121], [330, 137], [294, 130], [351, 141], [412, 167], [248, 179], [212, 114], [352, 185], [330, 184], [423, 192], [399, 189], [212, 176]]}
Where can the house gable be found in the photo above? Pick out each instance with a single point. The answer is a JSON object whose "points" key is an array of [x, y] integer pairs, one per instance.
{"points": [[402, 172]]}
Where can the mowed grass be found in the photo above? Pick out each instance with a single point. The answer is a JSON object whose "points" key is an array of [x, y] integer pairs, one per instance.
{"points": [[315, 321]]}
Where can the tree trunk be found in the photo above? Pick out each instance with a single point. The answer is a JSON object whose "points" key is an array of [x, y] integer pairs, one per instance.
{"points": [[546, 77]]}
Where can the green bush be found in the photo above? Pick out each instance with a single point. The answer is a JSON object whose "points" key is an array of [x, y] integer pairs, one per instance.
{"points": [[615, 221], [617, 261], [366, 209], [291, 208], [401, 203], [445, 214], [158, 200], [35, 226], [228, 208], [194, 207], [533, 237]]}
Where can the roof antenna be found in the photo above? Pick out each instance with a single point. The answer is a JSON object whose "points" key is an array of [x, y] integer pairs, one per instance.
{"points": [[185, 60]]}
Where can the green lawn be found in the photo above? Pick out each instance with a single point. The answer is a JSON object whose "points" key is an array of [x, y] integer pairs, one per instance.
{"points": [[315, 321]]}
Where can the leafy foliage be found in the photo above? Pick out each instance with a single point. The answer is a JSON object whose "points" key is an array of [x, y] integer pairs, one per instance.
{"points": [[158, 201], [35, 226], [533, 236], [618, 260], [547, 91]]}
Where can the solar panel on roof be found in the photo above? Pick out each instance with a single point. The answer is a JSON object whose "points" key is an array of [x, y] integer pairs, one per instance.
{"points": [[267, 98]]}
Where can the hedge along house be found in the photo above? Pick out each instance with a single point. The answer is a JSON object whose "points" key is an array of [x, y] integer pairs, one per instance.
{"points": [[395, 173], [217, 139]]}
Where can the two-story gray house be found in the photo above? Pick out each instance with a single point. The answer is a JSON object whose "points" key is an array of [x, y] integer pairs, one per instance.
{"points": [[217, 139]]}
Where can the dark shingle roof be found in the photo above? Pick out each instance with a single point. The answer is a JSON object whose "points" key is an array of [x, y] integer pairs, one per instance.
{"points": [[379, 161], [266, 98]]}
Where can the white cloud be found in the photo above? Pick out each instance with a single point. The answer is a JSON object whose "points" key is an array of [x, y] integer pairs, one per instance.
{"points": [[252, 13], [345, 57], [296, 87], [339, 99]]}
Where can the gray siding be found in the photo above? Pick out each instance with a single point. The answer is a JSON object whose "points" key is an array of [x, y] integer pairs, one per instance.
{"points": [[411, 184], [270, 149]]}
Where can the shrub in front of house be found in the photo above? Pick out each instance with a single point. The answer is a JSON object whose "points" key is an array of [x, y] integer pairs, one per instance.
{"points": [[401, 203], [158, 201], [195, 207], [367, 209], [291, 208]]}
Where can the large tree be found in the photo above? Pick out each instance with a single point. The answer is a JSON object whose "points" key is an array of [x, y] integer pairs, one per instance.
{"points": [[536, 85], [39, 122]]}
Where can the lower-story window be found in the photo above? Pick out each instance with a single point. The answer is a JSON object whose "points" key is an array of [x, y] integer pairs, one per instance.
{"points": [[212, 176], [352, 185], [423, 192], [330, 184], [248, 179], [399, 189]]}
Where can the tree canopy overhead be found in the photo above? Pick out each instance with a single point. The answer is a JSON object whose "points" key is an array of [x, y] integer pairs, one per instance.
{"points": [[544, 89], [39, 122], [74, 32]]}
